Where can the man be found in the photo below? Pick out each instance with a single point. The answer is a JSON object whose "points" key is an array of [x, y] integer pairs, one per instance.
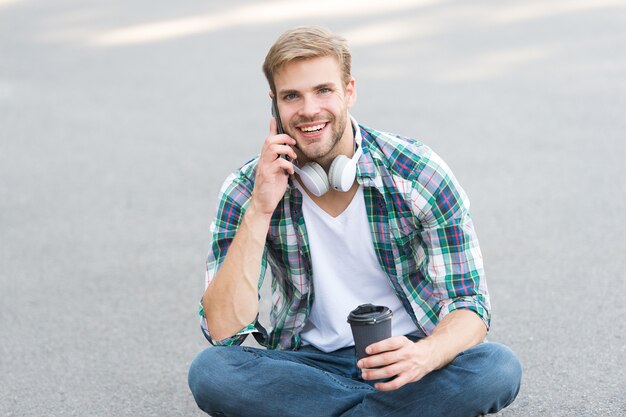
{"points": [[394, 231]]}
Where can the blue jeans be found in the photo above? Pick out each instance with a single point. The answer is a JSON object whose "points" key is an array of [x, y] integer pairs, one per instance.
{"points": [[244, 381]]}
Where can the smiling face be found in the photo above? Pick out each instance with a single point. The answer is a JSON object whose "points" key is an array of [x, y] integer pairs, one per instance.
{"points": [[313, 103]]}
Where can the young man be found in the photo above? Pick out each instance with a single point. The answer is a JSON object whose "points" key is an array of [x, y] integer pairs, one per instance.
{"points": [[393, 229]]}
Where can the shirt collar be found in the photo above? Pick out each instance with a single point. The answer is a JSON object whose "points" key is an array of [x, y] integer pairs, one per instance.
{"points": [[365, 169]]}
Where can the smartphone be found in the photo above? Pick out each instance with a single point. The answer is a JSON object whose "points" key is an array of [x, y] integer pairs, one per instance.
{"points": [[279, 123]]}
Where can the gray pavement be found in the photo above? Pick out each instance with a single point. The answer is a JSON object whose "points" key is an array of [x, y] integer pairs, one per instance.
{"points": [[119, 121]]}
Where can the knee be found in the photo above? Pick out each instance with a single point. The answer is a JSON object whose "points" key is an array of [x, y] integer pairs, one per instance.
{"points": [[208, 376], [199, 377], [509, 368], [503, 371]]}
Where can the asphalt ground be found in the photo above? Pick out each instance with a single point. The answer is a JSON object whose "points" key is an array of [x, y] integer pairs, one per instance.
{"points": [[119, 121]]}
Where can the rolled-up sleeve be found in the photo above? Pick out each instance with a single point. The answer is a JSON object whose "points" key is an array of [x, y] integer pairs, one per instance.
{"points": [[237, 339], [453, 262]]}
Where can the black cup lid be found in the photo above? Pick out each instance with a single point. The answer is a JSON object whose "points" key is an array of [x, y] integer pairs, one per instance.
{"points": [[369, 314]]}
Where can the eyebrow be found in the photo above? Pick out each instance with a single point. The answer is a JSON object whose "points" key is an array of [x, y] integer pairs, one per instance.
{"points": [[329, 84], [325, 85]]}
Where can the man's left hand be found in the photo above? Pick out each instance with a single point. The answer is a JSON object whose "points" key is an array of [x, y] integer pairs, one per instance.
{"points": [[401, 358]]}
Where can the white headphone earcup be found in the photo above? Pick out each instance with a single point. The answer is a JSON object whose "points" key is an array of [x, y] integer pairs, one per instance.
{"points": [[314, 178], [342, 173]]}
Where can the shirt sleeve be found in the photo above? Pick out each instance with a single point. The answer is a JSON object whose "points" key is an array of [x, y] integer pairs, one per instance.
{"points": [[233, 201], [453, 261]]}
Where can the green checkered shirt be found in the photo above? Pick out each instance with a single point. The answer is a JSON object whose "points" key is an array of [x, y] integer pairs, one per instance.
{"points": [[422, 231]]}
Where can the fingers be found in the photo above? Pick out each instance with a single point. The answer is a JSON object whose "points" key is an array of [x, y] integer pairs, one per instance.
{"points": [[285, 166], [276, 146], [397, 361], [392, 343], [390, 360], [272, 173], [279, 149], [384, 372], [383, 352], [395, 383], [271, 163], [377, 361]]}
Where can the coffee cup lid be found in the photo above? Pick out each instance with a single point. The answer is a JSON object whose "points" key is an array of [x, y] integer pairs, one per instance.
{"points": [[369, 314]]}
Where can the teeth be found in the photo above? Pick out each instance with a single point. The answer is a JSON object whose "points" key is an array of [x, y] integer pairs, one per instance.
{"points": [[312, 128]]}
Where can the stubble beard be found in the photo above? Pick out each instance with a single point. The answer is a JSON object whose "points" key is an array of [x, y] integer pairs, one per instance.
{"points": [[325, 154]]}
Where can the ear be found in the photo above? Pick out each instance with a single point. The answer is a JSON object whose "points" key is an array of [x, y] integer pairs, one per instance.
{"points": [[271, 94], [351, 93]]}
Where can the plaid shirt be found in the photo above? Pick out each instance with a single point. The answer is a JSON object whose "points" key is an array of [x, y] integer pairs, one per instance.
{"points": [[423, 237]]}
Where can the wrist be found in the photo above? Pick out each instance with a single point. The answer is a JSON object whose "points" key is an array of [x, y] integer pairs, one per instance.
{"points": [[435, 352], [256, 214]]}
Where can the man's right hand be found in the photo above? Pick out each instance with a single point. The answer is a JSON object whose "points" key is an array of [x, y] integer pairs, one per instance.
{"points": [[273, 171]]}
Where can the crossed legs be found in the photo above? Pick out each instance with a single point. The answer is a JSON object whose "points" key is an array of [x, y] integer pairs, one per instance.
{"points": [[243, 381]]}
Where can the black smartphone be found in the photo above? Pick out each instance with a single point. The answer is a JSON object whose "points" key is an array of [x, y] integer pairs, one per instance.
{"points": [[279, 123]]}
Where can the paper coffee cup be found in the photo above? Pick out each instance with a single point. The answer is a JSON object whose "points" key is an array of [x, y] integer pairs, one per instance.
{"points": [[370, 324]]}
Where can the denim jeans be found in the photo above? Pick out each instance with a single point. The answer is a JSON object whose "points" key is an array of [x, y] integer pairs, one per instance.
{"points": [[250, 382]]}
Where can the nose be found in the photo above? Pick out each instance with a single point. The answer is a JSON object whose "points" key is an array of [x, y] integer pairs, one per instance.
{"points": [[310, 107]]}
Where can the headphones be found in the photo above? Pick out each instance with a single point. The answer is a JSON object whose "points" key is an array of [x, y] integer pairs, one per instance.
{"points": [[340, 175]]}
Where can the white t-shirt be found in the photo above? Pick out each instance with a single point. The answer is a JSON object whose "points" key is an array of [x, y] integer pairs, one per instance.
{"points": [[346, 274]]}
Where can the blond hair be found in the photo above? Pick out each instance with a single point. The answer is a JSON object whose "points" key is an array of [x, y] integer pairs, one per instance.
{"points": [[306, 42]]}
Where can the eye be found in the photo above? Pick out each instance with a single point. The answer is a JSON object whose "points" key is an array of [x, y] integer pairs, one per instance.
{"points": [[290, 97], [325, 90]]}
